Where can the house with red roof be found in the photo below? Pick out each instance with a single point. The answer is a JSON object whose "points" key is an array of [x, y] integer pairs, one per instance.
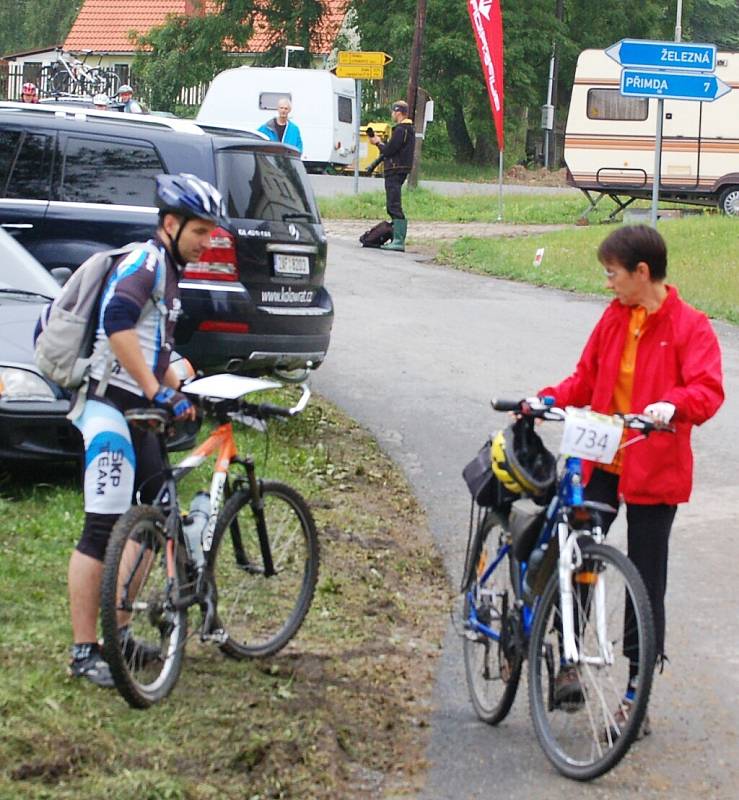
{"points": [[104, 27]]}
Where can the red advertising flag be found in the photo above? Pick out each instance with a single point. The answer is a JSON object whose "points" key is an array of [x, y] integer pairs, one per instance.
{"points": [[487, 23]]}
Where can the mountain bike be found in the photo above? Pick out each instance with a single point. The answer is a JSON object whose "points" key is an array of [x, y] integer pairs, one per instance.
{"points": [[539, 582], [70, 75], [251, 565]]}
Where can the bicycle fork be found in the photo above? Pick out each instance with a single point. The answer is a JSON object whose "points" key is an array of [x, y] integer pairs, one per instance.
{"points": [[570, 560]]}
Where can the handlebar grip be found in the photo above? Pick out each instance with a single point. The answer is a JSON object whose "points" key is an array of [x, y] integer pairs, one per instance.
{"points": [[506, 405], [269, 410]]}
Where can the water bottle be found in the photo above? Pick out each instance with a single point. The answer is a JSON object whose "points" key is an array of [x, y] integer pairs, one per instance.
{"points": [[532, 567], [193, 526]]}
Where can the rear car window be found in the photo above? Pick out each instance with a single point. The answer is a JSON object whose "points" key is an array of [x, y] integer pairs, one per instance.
{"points": [[25, 165], [108, 171], [264, 186]]}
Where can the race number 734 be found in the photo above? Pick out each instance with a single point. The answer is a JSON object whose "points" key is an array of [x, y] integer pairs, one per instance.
{"points": [[590, 435]]}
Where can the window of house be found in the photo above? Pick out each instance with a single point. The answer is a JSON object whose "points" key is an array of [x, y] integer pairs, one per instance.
{"points": [[611, 104], [25, 165], [109, 171], [345, 109], [123, 71], [32, 72], [268, 100]]}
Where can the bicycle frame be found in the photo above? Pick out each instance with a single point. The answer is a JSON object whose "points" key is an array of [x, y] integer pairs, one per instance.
{"points": [[569, 495]]}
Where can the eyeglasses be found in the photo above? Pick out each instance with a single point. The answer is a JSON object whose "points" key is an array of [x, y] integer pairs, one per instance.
{"points": [[609, 273]]}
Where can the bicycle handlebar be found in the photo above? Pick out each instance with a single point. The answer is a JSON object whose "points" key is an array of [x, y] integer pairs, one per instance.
{"points": [[544, 408], [266, 410]]}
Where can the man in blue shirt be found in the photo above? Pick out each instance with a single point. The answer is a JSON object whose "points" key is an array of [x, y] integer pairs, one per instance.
{"points": [[280, 129]]}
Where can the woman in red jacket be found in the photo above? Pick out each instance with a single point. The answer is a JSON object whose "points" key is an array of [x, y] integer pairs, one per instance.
{"points": [[650, 352]]}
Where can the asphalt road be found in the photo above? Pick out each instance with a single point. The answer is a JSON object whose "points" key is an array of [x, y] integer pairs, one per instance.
{"points": [[416, 354]]}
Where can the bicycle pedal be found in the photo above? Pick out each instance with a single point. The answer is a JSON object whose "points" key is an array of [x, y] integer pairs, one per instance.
{"points": [[218, 636]]}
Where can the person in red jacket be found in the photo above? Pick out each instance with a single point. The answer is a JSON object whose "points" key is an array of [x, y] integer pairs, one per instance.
{"points": [[649, 353]]}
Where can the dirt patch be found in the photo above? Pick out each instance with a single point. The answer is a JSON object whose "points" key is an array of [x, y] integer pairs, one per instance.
{"points": [[539, 176]]}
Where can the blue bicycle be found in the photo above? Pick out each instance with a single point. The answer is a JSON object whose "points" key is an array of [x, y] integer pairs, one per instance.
{"points": [[540, 583]]}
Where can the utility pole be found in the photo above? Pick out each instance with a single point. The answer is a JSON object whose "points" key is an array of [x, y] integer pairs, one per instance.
{"points": [[413, 73]]}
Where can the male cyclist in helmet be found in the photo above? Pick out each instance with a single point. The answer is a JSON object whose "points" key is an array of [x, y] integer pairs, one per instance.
{"points": [[29, 93], [125, 96], [649, 353], [138, 312]]}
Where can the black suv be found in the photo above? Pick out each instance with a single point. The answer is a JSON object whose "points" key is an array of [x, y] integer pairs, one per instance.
{"points": [[75, 181]]}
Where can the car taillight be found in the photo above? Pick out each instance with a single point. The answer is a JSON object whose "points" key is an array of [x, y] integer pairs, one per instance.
{"points": [[218, 261]]}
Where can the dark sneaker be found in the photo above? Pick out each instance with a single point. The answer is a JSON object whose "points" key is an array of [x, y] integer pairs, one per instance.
{"points": [[92, 667], [567, 690], [620, 718], [138, 653]]}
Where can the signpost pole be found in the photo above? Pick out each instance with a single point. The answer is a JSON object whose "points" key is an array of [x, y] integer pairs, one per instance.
{"points": [[657, 161], [357, 124]]}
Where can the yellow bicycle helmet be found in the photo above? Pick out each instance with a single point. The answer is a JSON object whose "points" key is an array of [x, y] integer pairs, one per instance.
{"points": [[521, 462]]}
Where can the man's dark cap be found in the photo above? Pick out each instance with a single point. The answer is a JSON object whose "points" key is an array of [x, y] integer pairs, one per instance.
{"points": [[401, 105]]}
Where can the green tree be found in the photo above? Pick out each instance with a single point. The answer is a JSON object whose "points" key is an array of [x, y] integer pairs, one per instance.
{"points": [[713, 21], [190, 50], [291, 22], [32, 24]]}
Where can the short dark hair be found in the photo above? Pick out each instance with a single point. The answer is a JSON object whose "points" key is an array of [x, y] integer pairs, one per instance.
{"points": [[631, 244]]}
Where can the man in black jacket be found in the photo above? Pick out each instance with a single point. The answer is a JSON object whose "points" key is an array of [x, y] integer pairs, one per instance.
{"points": [[397, 156]]}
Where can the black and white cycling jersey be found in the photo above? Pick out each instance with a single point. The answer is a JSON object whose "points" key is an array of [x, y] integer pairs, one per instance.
{"points": [[141, 293]]}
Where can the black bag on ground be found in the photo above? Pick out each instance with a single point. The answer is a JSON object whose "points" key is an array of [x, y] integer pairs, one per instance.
{"points": [[378, 235]]}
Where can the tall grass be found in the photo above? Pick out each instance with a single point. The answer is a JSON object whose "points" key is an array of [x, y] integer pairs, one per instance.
{"points": [[424, 205], [703, 260]]}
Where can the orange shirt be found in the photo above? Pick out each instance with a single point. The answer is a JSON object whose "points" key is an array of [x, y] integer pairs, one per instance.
{"points": [[621, 402]]}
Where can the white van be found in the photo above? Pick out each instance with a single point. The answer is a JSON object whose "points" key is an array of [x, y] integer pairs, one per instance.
{"points": [[322, 108], [610, 140]]}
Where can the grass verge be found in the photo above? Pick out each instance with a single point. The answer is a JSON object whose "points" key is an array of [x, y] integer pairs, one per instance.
{"points": [[703, 260], [341, 712], [424, 205]]}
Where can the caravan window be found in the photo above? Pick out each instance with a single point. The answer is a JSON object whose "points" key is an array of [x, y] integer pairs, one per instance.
{"points": [[345, 109], [268, 100], [611, 104]]}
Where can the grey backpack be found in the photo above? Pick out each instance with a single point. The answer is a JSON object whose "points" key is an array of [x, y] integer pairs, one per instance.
{"points": [[68, 325]]}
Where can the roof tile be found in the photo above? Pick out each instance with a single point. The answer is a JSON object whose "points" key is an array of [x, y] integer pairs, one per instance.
{"points": [[105, 25]]}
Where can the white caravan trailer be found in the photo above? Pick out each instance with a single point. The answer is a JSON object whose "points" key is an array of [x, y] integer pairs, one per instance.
{"points": [[610, 140], [322, 107]]}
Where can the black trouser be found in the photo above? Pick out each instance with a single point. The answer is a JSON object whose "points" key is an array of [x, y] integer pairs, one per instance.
{"points": [[393, 183], [648, 532]]}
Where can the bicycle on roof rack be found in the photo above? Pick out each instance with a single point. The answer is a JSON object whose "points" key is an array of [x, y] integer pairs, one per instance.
{"points": [[247, 555], [69, 75], [539, 582]]}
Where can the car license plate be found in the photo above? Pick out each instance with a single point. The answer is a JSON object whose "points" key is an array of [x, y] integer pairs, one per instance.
{"points": [[291, 265]]}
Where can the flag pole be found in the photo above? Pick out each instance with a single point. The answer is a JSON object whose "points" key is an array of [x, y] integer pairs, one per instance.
{"points": [[500, 186]]}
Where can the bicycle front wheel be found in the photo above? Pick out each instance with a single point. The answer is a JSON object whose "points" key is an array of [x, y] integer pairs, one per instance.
{"points": [[143, 634], [588, 729], [492, 667], [259, 608]]}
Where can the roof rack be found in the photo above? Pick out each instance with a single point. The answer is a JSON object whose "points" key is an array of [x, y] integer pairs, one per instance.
{"points": [[80, 114]]}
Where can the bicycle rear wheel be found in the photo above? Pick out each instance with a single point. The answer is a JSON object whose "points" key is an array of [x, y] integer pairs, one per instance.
{"points": [[492, 668], [585, 738], [143, 636], [261, 612]]}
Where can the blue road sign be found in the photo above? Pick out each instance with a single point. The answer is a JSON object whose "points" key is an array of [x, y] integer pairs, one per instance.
{"points": [[672, 85], [687, 57]]}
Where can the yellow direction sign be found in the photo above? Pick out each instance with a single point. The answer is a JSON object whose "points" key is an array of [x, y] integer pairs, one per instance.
{"points": [[360, 72], [362, 58]]}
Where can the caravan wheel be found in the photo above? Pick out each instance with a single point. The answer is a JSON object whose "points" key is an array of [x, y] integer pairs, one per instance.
{"points": [[729, 201]]}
